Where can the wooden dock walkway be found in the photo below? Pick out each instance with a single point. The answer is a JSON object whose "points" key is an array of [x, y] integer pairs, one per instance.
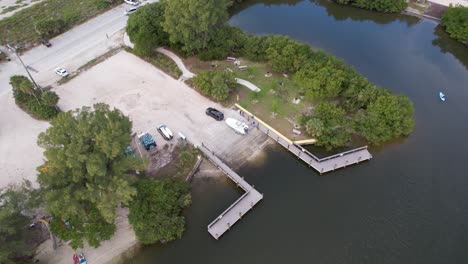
{"points": [[323, 165], [240, 207]]}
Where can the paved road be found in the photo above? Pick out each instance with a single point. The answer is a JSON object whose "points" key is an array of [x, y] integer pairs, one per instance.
{"points": [[71, 49]]}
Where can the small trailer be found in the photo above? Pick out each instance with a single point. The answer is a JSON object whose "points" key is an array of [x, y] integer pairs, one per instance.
{"points": [[147, 140]]}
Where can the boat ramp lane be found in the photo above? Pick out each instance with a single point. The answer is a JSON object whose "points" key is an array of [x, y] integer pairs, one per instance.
{"points": [[240, 207], [322, 165]]}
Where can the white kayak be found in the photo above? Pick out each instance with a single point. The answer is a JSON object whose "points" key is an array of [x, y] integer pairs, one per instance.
{"points": [[238, 126]]}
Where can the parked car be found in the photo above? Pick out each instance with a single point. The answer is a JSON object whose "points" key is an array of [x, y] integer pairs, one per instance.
{"points": [[81, 258], [132, 2], [62, 72], [46, 43], [216, 114], [165, 132], [130, 11]]}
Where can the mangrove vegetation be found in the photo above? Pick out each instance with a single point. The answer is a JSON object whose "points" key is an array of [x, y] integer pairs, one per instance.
{"points": [[344, 102]]}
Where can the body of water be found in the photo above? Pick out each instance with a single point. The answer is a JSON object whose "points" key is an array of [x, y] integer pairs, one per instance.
{"points": [[407, 205]]}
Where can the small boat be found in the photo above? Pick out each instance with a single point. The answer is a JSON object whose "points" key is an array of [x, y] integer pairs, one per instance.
{"points": [[238, 126], [442, 96]]}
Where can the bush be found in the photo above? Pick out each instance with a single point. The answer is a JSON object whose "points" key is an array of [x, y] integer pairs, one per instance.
{"points": [[215, 84], [455, 21], [50, 27], [41, 105]]}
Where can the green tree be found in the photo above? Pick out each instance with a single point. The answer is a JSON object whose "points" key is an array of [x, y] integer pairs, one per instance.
{"points": [[193, 23], [86, 173], [15, 200], [215, 84], [145, 30], [455, 22], [328, 125], [226, 41], [155, 213], [286, 55], [322, 80], [390, 116]]}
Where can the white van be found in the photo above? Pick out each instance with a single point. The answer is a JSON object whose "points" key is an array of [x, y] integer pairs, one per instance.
{"points": [[165, 132]]}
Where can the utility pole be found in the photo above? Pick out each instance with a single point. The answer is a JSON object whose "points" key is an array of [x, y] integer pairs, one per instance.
{"points": [[26, 69]]}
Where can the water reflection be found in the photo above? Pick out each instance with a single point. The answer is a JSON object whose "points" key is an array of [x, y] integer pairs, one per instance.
{"points": [[343, 12], [447, 44]]}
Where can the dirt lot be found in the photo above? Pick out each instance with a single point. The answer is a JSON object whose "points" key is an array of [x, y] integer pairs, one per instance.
{"points": [[19, 153], [150, 98]]}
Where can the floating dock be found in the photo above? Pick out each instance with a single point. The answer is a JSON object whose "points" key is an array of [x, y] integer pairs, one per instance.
{"points": [[240, 207]]}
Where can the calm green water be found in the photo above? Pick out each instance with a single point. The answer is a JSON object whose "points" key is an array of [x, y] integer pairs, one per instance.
{"points": [[407, 205]]}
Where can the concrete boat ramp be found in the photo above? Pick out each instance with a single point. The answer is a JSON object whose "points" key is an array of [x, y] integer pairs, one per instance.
{"points": [[251, 197]]}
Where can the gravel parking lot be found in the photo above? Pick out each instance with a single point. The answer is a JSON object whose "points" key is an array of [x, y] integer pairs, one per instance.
{"points": [[150, 98]]}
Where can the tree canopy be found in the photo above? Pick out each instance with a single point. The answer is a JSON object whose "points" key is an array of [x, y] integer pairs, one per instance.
{"points": [[389, 116], [455, 21], [145, 29], [328, 125], [322, 80], [215, 84], [394, 6], [14, 200], [85, 175], [155, 213], [193, 23]]}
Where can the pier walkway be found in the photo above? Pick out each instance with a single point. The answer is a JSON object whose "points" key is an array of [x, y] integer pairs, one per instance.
{"points": [[322, 165], [240, 207]]}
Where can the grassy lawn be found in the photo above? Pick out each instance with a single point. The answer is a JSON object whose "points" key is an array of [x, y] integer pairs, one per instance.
{"points": [[273, 97], [162, 62], [20, 28]]}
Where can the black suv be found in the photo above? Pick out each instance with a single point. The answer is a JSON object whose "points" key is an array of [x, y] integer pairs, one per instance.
{"points": [[214, 113]]}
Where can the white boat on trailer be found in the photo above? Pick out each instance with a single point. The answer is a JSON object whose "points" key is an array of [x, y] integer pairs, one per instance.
{"points": [[238, 126]]}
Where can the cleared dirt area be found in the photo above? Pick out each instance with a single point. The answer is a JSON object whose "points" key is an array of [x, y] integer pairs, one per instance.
{"points": [[150, 98], [19, 153]]}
